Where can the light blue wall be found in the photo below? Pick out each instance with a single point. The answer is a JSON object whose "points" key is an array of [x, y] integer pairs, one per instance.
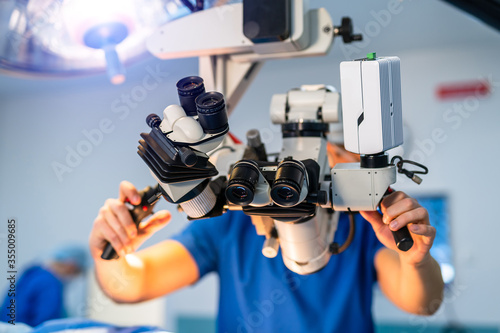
{"points": [[40, 119]]}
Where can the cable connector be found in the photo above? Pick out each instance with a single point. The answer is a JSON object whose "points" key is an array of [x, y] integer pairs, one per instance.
{"points": [[412, 174]]}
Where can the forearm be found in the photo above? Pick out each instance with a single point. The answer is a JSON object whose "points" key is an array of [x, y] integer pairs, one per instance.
{"points": [[420, 286], [121, 279], [147, 274], [416, 289], [127, 279]]}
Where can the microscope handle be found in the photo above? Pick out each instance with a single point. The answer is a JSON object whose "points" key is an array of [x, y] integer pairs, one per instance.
{"points": [[403, 239], [109, 252], [138, 213]]}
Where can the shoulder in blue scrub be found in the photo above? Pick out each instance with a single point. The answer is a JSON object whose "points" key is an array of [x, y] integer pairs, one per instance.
{"points": [[36, 298]]}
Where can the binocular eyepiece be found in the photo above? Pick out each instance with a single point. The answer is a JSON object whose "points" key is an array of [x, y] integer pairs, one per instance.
{"points": [[285, 190], [288, 182], [211, 110], [188, 89], [210, 107], [244, 177]]}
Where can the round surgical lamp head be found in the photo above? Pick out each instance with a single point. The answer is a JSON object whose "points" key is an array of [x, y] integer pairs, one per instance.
{"points": [[102, 25], [107, 36], [70, 38]]}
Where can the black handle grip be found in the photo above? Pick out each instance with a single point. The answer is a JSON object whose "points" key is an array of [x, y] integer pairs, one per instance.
{"points": [[109, 252], [403, 239], [188, 157], [149, 197]]}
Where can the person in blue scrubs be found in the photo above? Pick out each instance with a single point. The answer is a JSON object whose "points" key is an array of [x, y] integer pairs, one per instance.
{"points": [[258, 294], [39, 290]]}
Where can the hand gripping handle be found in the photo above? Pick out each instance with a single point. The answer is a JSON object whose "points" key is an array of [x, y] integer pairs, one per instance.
{"points": [[149, 197], [402, 237]]}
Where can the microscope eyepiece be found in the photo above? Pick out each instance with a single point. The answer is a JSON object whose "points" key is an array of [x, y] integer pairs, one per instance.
{"points": [[242, 181], [188, 89], [287, 184], [153, 120], [212, 113]]}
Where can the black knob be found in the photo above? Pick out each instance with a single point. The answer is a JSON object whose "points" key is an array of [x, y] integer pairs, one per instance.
{"points": [[253, 138], [153, 120], [346, 31], [322, 197], [188, 157]]}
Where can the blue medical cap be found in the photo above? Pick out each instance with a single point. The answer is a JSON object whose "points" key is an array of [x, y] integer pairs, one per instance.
{"points": [[75, 254]]}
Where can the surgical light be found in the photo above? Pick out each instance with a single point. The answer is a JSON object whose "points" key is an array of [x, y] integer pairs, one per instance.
{"points": [[61, 38]]}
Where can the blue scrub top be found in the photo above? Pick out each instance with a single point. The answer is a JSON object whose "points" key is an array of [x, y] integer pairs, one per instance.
{"points": [[38, 298], [258, 294]]}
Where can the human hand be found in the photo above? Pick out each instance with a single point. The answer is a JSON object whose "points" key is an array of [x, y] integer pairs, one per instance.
{"points": [[114, 224], [399, 210]]}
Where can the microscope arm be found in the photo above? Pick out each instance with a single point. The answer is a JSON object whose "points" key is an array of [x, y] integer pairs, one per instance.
{"points": [[228, 60]]}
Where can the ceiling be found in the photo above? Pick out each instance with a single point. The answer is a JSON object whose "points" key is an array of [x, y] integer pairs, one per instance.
{"points": [[487, 11]]}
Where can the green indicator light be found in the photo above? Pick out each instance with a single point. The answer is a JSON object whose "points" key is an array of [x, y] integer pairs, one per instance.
{"points": [[371, 56]]}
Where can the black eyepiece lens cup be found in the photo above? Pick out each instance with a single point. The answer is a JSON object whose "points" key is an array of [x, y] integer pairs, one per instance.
{"points": [[188, 89], [288, 183], [241, 186], [212, 113]]}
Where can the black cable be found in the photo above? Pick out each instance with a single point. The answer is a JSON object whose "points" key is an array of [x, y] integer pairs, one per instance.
{"points": [[401, 162], [220, 148]]}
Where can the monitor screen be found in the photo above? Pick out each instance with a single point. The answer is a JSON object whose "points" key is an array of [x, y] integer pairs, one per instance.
{"points": [[439, 216]]}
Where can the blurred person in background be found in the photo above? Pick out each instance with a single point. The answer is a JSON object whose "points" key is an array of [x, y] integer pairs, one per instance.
{"points": [[39, 289]]}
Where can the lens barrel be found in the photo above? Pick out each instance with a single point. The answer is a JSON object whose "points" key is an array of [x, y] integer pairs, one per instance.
{"points": [[244, 177], [188, 89], [212, 113], [287, 184]]}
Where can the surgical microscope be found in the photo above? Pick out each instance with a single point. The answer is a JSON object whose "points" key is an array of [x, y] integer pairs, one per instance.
{"points": [[294, 199]]}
